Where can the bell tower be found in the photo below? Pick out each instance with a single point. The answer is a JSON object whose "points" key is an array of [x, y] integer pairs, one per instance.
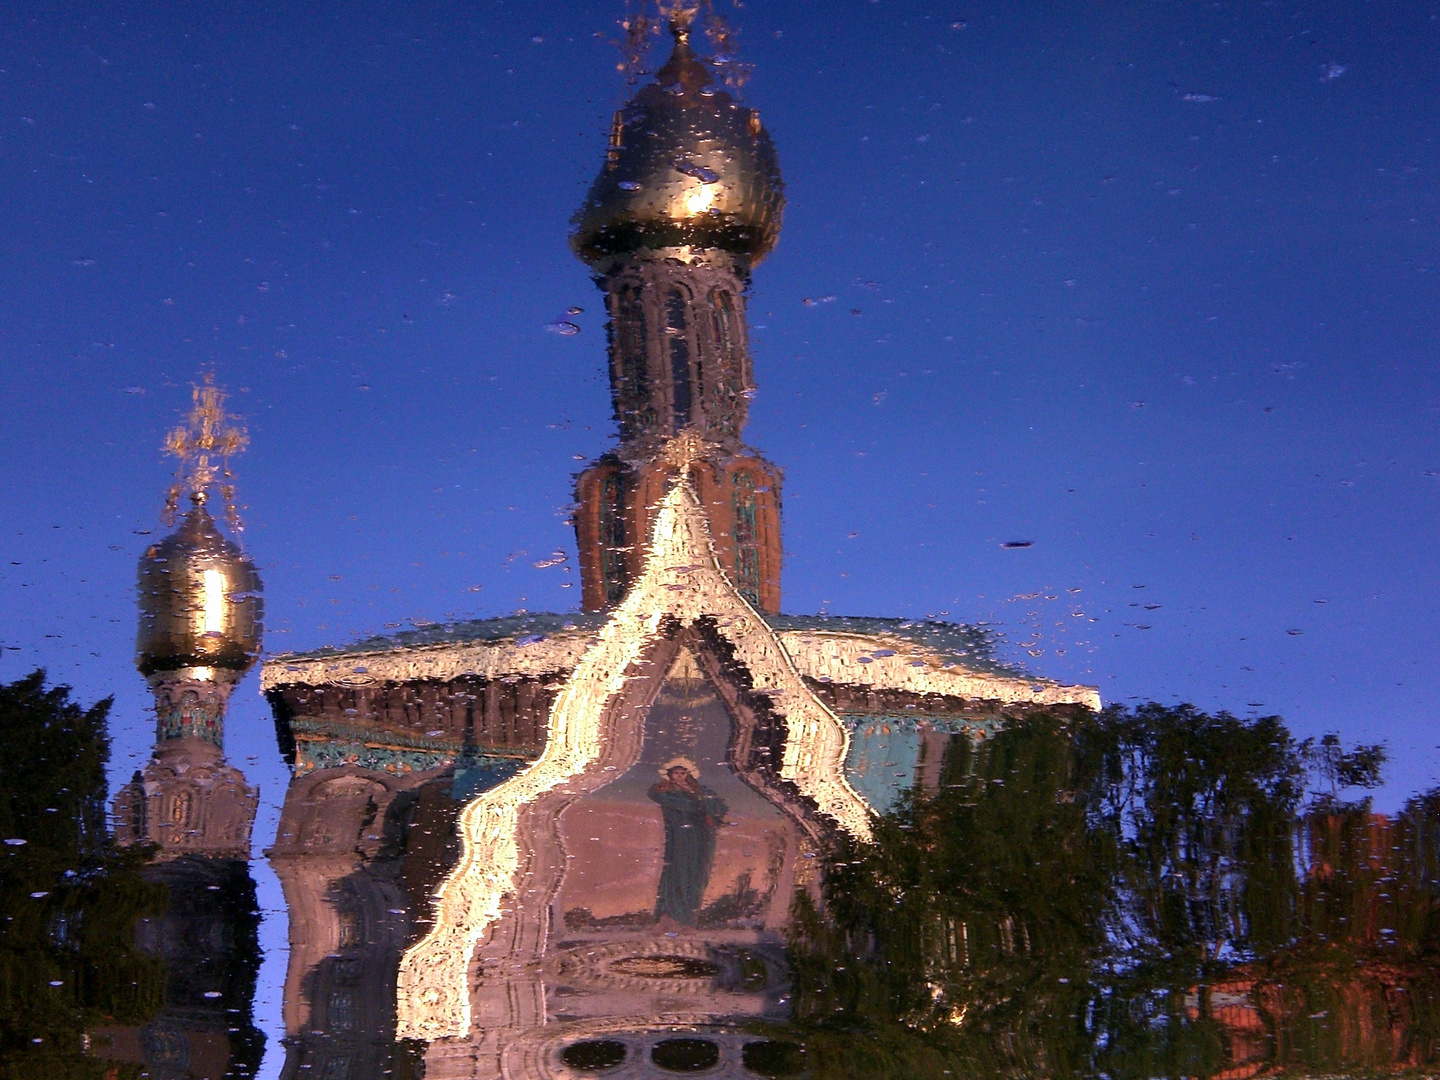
{"points": [[688, 201], [199, 633]]}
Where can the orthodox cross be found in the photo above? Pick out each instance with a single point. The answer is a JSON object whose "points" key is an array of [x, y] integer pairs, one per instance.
{"points": [[683, 450], [204, 445]]}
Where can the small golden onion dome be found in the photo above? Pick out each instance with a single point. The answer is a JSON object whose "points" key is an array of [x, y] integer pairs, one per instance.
{"points": [[200, 601], [688, 167]]}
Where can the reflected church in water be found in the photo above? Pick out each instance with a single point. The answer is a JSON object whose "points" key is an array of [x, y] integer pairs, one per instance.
{"points": [[561, 846], [643, 791]]}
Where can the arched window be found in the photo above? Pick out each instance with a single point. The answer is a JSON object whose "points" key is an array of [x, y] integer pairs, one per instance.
{"points": [[349, 922], [724, 314], [744, 504], [631, 377], [180, 804], [612, 538], [676, 323]]}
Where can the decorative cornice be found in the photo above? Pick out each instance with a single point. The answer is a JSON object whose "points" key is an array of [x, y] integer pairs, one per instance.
{"points": [[843, 658], [886, 662], [555, 654]]}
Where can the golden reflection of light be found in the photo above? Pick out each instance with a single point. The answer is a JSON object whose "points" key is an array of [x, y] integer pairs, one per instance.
{"points": [[214, 621], [819, 655], [698, 200], [834, 656], [681, 579]]}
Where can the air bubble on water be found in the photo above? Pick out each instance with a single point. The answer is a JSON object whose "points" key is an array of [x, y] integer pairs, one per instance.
{"points": [[699, 172], [564, 328]]}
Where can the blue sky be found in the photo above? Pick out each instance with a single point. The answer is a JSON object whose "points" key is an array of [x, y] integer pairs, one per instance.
{"points": [[1152, 286]]}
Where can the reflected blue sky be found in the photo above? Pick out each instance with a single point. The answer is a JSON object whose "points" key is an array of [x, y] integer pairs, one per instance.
{"points": [[1151, 287]]}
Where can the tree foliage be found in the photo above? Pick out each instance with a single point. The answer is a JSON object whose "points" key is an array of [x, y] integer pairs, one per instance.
{"points": [[69, 901], [1097, 895]]}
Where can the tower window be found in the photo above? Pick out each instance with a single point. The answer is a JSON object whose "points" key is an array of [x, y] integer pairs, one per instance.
{"points": [[612, 539], [685, 1055], [744, 504], [724, 313], [675, 307], [594, 1055]]}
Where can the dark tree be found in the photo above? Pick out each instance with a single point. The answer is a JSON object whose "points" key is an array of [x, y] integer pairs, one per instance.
{"points": [[961, 942], [1133, 894], [68, 900]]}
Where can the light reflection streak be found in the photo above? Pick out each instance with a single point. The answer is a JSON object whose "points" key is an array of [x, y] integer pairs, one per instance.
{"points": [[213, 621], [698, 200]]}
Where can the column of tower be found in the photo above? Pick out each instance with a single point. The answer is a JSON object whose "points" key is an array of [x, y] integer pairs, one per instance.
{"points": [[200, 627], [689, 200], [199, 633]]}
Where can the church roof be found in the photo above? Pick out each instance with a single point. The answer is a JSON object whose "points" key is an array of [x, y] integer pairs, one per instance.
{"points": [[921, 656]]}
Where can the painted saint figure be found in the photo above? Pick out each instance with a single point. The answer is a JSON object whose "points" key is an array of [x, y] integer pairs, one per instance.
{"points": [[692, 814]]}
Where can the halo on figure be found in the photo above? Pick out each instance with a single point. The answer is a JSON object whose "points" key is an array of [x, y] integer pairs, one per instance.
{"points": [[680, 762]]}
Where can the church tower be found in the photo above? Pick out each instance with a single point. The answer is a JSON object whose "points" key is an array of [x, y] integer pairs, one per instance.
{"points": [[662, 780], [199, 601], [200, 626], [688, 201]]}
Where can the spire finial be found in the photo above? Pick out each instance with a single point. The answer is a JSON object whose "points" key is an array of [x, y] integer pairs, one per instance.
{"points": [[198, 443], [680, 14]]}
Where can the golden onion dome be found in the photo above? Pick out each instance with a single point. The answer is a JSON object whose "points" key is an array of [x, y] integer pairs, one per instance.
{"points": [[688, 166], [200, 604]]}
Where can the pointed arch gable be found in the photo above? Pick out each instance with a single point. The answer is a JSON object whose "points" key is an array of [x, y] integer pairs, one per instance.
{"points": [[594, 720]]}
